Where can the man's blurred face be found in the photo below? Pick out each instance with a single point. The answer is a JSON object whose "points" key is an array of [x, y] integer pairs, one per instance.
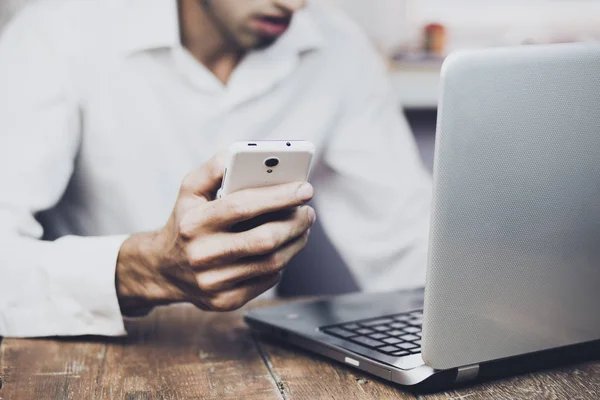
{"points": [[252, 24]]}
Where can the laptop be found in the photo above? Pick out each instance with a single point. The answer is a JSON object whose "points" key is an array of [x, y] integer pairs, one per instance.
{"points": [[513, 275]]}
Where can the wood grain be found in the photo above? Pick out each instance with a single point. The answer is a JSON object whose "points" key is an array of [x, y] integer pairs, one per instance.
{"points": [[176, 353], [38, 369], [570, 382], [303, 375], [183, 353]]}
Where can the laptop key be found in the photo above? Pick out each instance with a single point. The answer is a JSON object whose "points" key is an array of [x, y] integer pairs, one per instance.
{"points": [[416, 321], [409, 338], [351, 326], [340, 332], [412, 329], [395, 333], [416, 313], [374, 322], [401, 353], [378, 336], [388, 349], [392, 340], [381, 328], [402, 317], [398, 325], [417, 342], [406, 346], [367, 341], [364, 331]]}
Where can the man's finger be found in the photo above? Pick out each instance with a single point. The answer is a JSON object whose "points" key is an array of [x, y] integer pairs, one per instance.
{"points": [[206, 180], [225, 248], [251, 203], [236, 298], [220, 279]]}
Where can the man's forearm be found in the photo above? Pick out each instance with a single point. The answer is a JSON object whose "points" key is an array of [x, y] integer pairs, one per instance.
{"points": [[139, 282]]}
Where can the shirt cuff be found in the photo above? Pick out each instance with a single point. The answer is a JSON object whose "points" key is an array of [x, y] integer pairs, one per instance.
{"points": [[83, 290]]}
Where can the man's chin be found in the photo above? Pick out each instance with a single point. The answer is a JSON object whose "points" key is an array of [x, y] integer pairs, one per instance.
{"points": [[262, 42]]}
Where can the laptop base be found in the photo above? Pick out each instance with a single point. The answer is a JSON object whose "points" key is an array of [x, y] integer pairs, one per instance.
{"points": [[303, 324]]}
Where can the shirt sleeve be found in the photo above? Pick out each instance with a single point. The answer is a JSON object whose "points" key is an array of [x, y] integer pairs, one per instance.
{"points": [[373, 194], [65, 287]]}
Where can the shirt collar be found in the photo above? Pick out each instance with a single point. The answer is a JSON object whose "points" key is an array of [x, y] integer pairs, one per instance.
{"points": [[154, 24]]}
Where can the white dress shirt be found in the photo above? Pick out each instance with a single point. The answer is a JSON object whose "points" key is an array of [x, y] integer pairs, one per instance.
{"points": [[102, 113]]}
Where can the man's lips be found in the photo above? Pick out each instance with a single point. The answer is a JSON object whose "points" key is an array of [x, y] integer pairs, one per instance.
{"points": [[271, 26]]}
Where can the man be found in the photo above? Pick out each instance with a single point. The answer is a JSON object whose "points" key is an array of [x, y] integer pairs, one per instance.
{"points": [[107, 105]]}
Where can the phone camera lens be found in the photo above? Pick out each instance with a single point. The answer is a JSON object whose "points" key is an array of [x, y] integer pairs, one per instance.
{"points": [[272, 162]]}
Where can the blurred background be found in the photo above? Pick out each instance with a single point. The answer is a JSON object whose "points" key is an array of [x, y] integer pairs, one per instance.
{"points": [[414, 37]]}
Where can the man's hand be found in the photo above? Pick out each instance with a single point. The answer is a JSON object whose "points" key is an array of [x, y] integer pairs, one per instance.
{"points": [[198, 258]]}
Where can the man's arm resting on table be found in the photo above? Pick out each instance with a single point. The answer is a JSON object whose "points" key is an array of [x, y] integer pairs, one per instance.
{"points": [[67, 286], [63, 288]]}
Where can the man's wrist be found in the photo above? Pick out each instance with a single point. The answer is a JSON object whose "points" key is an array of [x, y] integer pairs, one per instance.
{"points": [[139, 283]]}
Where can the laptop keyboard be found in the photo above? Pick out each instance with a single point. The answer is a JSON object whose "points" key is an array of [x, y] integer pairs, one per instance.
{"points": [[395, 335]]}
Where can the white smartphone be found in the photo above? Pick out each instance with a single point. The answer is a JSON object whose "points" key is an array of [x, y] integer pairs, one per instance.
{"points": [[266, 163]]}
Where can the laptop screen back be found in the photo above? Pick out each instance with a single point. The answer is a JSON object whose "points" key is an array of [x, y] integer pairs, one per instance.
{"points": [[514, 264]]}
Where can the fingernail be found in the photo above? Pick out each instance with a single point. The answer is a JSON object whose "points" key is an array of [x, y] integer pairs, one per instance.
{"points": [[312, 215], [305, 192]]}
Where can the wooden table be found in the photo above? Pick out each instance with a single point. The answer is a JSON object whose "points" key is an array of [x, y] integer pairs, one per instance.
{"points": [[183, 353]]}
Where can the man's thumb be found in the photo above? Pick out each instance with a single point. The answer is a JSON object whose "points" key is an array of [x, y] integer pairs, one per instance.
{"points": [[206, 180]]}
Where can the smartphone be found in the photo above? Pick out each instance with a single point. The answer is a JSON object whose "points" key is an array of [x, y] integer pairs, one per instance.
{"points": [[266, 163]]}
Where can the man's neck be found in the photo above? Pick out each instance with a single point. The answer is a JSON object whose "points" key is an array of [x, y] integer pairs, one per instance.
{"points": [[205, 40]]}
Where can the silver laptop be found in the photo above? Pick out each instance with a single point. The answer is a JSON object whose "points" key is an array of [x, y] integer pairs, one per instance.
{"points": [[513, 278]]}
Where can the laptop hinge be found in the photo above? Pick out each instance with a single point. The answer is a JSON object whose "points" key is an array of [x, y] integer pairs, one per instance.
{"points": [[467, 373]]}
